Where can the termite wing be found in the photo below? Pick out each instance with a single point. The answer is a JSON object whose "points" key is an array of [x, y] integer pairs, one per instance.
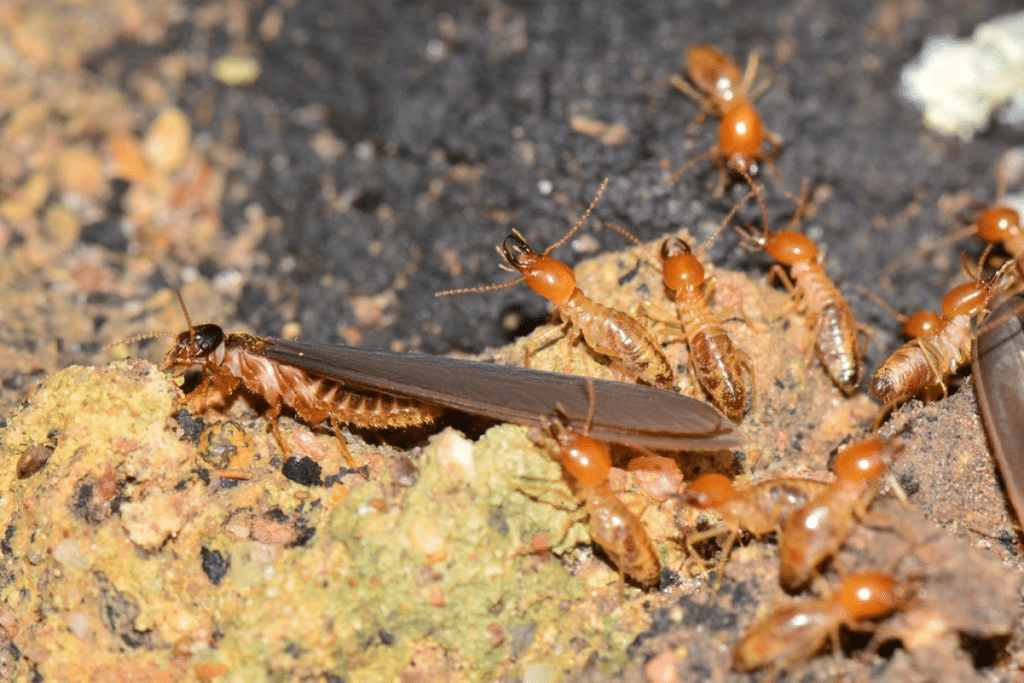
{"points": [[998, 370], [629, 414]]}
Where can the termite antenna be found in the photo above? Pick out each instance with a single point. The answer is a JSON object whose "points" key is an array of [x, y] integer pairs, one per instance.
{"points": [[482, 288], [583, 218], [138, 338], [154, 335], [188, 320], [635, 240], [674, 178]]}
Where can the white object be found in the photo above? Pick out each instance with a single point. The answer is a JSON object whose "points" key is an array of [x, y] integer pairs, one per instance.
{"points": [[959, 82]]}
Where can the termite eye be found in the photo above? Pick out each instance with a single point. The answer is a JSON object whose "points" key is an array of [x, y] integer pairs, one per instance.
{"points": [[208, 337]]}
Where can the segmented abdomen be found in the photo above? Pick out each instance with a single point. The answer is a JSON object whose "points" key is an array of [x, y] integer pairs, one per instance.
{"points": [[314, 399], [716, 362], [622, 536], [620, 337], [922, 362], [830, 316]]}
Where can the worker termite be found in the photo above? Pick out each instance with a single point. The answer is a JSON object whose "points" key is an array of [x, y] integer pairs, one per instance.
{"points": [[758, 509], [999, 223], [796, 631], [929, 359], [321, 382], [819, 529], [611, 333], [586, 464], [829, 314], [998, 373], [720, 89], [723, 371]]}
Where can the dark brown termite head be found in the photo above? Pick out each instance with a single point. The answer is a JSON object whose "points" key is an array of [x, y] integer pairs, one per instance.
{"points": [[194, 346]]}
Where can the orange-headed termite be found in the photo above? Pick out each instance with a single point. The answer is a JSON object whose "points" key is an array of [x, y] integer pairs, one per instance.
{"points": [[386, 389], [998, 372], [1000, 224], [612, 525], [829, 314], [617, 335], [586, 464], [798, 630], [819, 529], [723, 371], [719, 88], [758, 509], [929, 359]]}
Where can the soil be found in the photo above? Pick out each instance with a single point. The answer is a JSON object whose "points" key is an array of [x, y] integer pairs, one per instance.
{"points": [[378, 156]]}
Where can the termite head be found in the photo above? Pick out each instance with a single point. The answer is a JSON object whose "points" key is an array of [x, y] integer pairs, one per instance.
{"points": [[790, 248], [680, 268], [194, 346], [709, 491], [740, 137], [921, 324], [997, 224], [866, 460], [585, 460], [714, 74], [872, 595], [552, 279], [972, 298]]}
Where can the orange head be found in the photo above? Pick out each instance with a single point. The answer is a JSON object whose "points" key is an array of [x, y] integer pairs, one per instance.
{"points": [[680, 268], [870, 595], [740, 137], [709, 491], [865, 460], [997, 223], [550, 278], [790, 248], [587, 461], [921, 324]]}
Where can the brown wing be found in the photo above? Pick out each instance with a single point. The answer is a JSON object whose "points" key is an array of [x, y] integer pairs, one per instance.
{"points": [[998, 369], [623, 413]]}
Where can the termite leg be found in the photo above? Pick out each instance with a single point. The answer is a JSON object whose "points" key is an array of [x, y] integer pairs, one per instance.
{"points": [[723, 556], [336, 425]]}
